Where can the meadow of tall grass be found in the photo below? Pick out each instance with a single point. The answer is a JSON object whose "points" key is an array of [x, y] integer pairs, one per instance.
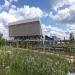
{"points": [[15, 61]]}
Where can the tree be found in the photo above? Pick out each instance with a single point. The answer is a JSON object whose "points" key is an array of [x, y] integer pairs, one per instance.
{"points": [[2, 40], [71, 38], [1, 35]]}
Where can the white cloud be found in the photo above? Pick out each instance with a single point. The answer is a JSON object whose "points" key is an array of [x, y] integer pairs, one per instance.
{"points": [[71, 28], [4, 31], [13, 0], [15, 14], [53, 31], [66, 15], [30, 12], [60, 3], [25, 12], [7, 3]]}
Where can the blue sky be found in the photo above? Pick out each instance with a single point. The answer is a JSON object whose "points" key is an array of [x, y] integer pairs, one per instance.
{"points": [[57, 16], [43, 4]]}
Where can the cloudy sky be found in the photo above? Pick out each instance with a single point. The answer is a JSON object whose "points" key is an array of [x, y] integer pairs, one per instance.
{"points": [[57, 16]]}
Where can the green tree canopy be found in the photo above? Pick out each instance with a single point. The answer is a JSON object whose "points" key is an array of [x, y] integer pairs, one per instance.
{"points": [[2, 40], [71, 38]]}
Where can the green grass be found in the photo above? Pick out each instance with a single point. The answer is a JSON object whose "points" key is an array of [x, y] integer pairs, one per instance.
{"points": [[26, 62]]}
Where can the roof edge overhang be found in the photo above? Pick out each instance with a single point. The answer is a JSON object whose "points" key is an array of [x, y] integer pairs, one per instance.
{"points": [[24, 21]]}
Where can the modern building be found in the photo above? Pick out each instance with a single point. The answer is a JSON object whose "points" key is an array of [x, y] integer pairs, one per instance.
{"points": [[55, 38], [49, 41], [29, 29]]}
